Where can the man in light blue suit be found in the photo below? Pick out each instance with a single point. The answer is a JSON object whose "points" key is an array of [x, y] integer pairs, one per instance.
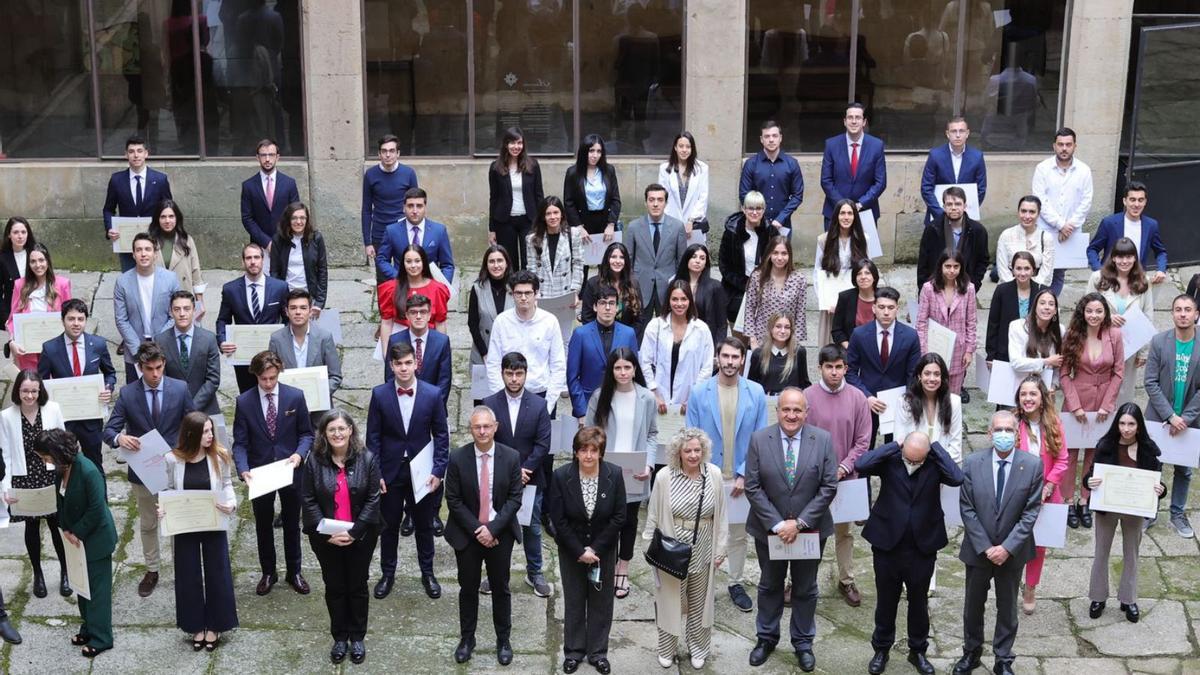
{"points": [[952, 163], [415, 228], [142, 301], [590, 346], [853, 166], [1132, 224], [730, 408]]}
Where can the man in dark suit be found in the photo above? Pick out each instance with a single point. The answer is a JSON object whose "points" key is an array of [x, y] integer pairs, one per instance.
{"points": [[954, 162], [954, 230], [906, 530], [524, 425], [251, 298], [192, 353], [483, 491], [415, 228], [882, 355], [656, 244], [1000, 499], [134, 192], [265, 195], [1133, 224], [270, 423], [853, 166], [76, 353], [403, 417], [590, 345], [152, 402], [430, 347], [303, 344], [782, 505]]}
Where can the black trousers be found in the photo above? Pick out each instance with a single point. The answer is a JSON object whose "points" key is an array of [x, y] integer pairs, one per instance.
{"points": [[204, 583], [629, 531], [345, 571], [902, 567], [587, 612], [33, 542], [245, 381], [470, 564], [399, 492], [264, 517], [510, 234]]}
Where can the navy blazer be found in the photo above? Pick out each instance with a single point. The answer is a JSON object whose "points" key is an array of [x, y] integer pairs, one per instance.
{"points": [[908, 503], [434, 239], [532, 438], [55, 362], [387, 438], [939, 170], [1112, 228], [586, 360], [119, 199], [862, 358], [262, 222], [435, 361], [866, 186], [253, 446], [131, 415], [235, 307]]}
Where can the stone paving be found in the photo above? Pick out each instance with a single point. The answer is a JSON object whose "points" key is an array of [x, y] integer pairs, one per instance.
{"points": [[288, 633]]}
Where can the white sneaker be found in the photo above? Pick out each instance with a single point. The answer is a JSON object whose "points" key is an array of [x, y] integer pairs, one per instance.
{"points": [[697, 663], [665, 662]]}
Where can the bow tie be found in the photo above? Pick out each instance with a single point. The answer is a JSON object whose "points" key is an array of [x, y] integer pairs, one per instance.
{"points": [[401, 391]]}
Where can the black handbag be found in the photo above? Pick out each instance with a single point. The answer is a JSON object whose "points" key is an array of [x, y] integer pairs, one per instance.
{"points": [[672, 555]]}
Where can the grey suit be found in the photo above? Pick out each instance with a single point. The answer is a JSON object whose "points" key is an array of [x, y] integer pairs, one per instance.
{"points": [[983, 528], [1160, 390], [772, 500], [128, 312], [654, 269], [203, 372], [321, 352]]}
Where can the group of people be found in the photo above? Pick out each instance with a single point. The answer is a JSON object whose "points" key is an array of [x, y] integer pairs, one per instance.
{"points": [[660, 343]]}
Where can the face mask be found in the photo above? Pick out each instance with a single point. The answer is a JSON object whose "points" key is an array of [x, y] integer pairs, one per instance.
{"points": [[1003, 440]]}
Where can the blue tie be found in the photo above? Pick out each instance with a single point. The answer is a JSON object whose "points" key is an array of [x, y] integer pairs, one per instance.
{"points": [[255, 303], [1000, 486], [137, 198], [155, 409]]}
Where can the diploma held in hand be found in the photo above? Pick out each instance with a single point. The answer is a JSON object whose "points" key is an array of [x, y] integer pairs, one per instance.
{"points": [[76, 564], [631, 463], [79, 397], [669, 424], [871, 232], [951, 514], [737, 509], [1182, 449], [1125, 490], [189, 511], [149, 462], [127, 228], [1050, 530], [329, 526], [593, 253], [313, 381], [850, 503], [31, 329], [250, 338], [941, 341], [270, 477], [806, 546], [891, 397], [420, 469], [525, 514], [36, 502], [1085, 434]]}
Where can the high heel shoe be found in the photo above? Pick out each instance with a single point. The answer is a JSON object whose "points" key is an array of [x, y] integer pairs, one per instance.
{"points": [[1028, 599], [198, 642]]}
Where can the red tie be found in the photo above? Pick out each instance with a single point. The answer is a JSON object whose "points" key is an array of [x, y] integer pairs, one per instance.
{"points": [[418, 353], [883, 350], [401, 391], [485, 494], [75, 359], [853, 160]]}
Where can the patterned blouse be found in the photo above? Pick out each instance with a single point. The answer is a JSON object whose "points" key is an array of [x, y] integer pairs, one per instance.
{"points": [[589, 487], [789, 300]]}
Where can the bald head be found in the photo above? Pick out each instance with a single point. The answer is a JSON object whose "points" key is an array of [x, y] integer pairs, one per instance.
{"points": [[792, 410], [915, 447]]}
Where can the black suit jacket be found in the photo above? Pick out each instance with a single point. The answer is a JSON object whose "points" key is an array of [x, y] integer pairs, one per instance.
{"points": [[713, 307], [974, 246], [844, 315], [56, 363], [500, 194], [462, 495], [908, 504], [8, 276], [575, 199], [203, 374], [316, 265], [575, 530], [532, 439], [1005, 309]]}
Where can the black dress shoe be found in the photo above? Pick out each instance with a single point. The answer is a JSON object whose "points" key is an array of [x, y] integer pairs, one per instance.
{"points": [[438, 526], [1131, 612], [39, 586], [922, 664], [462, 653], [503, 653], [968, 662], [338, 653], [64, 586], [265, 584], [878, 662], [383, 587], [358, 651], [1002, 668], [1085, 516], [762, 650], [570, 665], [432, 588], [601, 665], [8, 633], [407, 527], [964, 396], [1073, 516], [297, 582], [808, 662], [1096, 609]]}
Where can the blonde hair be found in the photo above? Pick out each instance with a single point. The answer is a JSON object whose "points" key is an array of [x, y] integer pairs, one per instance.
{"points": [[768, 345], [754, 198], [685, 436]]}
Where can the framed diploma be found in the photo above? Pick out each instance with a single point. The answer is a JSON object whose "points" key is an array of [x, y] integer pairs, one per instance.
{"points": [[31, 329], [128, 228], [313, 381], [79, 397], [250, 338], [189, 511], [1125, 490], [36, 502]]}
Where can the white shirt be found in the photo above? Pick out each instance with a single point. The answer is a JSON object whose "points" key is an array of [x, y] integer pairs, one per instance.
{"points": [[22, 258], [879, 331], [300, 349], [1066, 195], [956, 160], [623, 406], [514, 409], [996, 469], [261, 282], [37, 299], [540, 340], [408, 228], [295, 266], [518, 197], [1035, 438], [750, 250], [491, 479], [1040, 244], [262, 400], [850, 143], [1133, 230], [146, 294], [133, 183], [406, 402]]}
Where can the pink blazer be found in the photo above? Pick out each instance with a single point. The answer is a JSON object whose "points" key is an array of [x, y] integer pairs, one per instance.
{"points": [[1053, 468], [62, 288], [1095, 384]]}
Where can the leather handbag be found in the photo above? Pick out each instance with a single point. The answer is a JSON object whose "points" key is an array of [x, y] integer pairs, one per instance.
{"points": [[670, 554]]}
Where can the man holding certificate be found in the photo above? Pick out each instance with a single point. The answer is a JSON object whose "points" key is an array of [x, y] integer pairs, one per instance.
{"points": [[133, 192], [153, 402], [254, 298], [883, 354], [142, 301], [303, 344]]}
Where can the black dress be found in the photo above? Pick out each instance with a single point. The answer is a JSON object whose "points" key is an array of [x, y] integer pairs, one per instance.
{"points": [[36, 475]]}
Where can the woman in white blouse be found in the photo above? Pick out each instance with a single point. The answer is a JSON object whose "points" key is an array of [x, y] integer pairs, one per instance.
{"points": [[1123, 283], [1026, 236], [831, 271], [1035, 342], [686, 180], [929, 407], [677, 349]]}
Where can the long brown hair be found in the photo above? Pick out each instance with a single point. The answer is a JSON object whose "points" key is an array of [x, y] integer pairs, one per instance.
{"points": [[191, 436], [1047, 417], [831, 261], [764, 266], [31, 279], [1073, 342], [1041, 342], [525, 163], [400, 298], [1109, 280]]}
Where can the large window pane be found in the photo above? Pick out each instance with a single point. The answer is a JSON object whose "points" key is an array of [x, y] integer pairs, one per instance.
{"points": [[45, 80], [250, 70], [630, 89], [416, 53]]}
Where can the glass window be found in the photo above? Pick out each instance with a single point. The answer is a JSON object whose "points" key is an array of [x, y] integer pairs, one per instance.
{"points": [[45, 80]]}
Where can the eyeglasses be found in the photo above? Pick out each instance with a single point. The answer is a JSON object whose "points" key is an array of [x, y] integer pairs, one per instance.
{"points": [[756, 208], [523, 294]]}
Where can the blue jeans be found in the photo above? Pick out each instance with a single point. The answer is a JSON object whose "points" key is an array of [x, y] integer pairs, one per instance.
{"points": [[1056, 283], [1180, 482], [532, 538]]}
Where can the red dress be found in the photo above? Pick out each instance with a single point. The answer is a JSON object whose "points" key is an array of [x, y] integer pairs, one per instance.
{"points": [[437, 292]]}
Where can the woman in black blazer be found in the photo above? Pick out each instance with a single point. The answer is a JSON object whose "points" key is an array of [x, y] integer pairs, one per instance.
{"points": [[297, 229], [854, 305], [708, 293], [592, 175], [511, 218], [1010, 301], [340, 481], [18, 240], [731, 257], [587, 506]]}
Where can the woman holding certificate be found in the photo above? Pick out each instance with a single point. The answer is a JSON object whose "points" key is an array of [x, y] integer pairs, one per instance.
{"points": [[31, 413], [175, 250], [86, 523], [833, 268], [14, 256], [1092, 372], [1040, 432], [1123, 284], [627, 413], [339, 502], [1126, 444], [204, 603], [40, 290], [949, 299], [1035, 342], [416, 277]]}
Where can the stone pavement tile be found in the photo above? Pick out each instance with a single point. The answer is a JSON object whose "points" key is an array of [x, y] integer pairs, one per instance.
{"points": [[1168, 542], [282, 608], [276, 651], [1181, 577], [1158, 666], [1046, 632], [158, 649], [130, 609], [1157, 633], [1065, 577], [1089, 666], [47, 649], [14, 577], [435, 655]]}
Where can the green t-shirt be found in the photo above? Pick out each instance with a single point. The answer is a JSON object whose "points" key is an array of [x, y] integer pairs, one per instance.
{"points": [[1183, 357]]}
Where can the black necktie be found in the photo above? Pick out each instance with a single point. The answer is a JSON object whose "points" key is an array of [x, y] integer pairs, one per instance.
{"points": [[155, 409], [1000, 486], [137, 198], [657, 238]]}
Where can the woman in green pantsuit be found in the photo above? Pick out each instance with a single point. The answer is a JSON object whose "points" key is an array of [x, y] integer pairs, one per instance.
{"points": [[84, 518]]}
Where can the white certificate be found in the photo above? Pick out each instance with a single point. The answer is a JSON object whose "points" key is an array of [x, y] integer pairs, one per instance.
{"points": [[806, 546], [739, 324], [79, 397], [268, 478], [1050, 530], [1125, 490], [419, 470], [31, 329], [941, 341], [892, 398], [380, 344], [874, 247], [737, 509], [831, 287], [525, 513], [479, 382], [560, 307], [593, 252], [250, 338], [313, 381], [189, 511], [669, 424], [559, 433], [631, 463], [972, 191], [1137, 331], [1072, 253], [772, 410], [440, 277], [850, 503], [1084, 435], [76, 564], [951, 510], [149, 462], [331, 321], [1182, 449], [222, 430], [1002, 387], [329, 526], [983, 374], [128, 228], [36, 502]]}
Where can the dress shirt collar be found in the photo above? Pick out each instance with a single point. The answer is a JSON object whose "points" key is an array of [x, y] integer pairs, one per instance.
{"points": [[490, 452], [419, 336], [143, 173], [996, 456], [412, 386], [408, 225], [250, 280], [189, 332], [307, 332], [147, 388], [832, 391], [263, 175], [850, 142], [384, 168], [263, 393], [957, 154], [776, 351], [514, 400]]}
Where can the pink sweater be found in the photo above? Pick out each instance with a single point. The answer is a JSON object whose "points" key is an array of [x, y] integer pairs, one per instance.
{"points": [[847, 418]]}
